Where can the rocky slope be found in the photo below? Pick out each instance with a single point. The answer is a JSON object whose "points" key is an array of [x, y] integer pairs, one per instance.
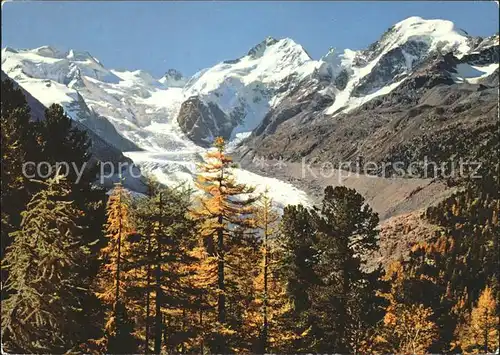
{"points": [[429, 103]]}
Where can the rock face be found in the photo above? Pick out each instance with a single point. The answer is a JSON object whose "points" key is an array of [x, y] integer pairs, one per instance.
{"points": [[202, 122], [174, 79]]}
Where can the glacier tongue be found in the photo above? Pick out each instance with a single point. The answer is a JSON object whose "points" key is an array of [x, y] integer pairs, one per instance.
{"points": [[176, 167]]}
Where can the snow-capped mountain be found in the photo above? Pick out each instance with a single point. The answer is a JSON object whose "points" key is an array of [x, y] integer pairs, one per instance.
{"points": [[423, 78], [144, 110], [360, 76], [233, 96], [173, 119], [236, 94]]}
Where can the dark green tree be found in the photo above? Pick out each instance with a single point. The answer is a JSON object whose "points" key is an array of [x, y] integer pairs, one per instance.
{"points": [[17, 147], [297, 238], [346, 293], [60, 141], [43, 312]]}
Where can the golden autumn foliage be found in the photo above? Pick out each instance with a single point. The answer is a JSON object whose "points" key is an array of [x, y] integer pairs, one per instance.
{"points": [[112, 282], [263, 316], [406, 328], [480, 332], [225, 202], [225, 212]]}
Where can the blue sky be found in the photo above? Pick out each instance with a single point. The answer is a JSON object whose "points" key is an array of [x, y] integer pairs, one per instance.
{"points": [[190, 36]]}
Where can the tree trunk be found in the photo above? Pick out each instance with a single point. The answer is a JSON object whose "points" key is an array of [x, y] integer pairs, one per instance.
{"points": [[158, 317], [118, 260], [221, 304], [342, 346], [264, 303], [148, 291], [202, 345], [486, 329]]}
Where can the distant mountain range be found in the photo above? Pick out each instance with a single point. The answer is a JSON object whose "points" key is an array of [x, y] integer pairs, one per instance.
{"points": [[422, 81]]}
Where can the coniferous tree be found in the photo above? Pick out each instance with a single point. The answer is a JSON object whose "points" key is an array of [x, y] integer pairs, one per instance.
{"points": [[270, 301], [448, 272], [160, 261], [226, 212], [143, 260], [346, 292], [60, 141], [296, 239], [17, 146], [113, 280], [45, 260], [203, 319], [266, 220], [407, 327], [173, 239]]}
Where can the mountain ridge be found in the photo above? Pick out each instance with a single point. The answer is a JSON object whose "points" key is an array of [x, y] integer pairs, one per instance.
{"points": [[283, 102]]}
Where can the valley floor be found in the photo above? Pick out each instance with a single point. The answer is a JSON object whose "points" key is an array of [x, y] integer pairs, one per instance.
{"points": [[388, 197]]}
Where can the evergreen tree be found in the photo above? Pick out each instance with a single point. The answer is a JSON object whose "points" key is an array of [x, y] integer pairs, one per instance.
{"points": [[17, 146], [60, 141], [43, 313], [346, 292], [225, 212], [296, 240]]}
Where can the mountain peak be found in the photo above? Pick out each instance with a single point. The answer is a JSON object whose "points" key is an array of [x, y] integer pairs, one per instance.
{"points": [[434, 34], [173, 78], [260, 48], [81, 56]]}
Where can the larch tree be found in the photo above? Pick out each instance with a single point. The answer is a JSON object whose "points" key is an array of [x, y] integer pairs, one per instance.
{"points": [[142, 261], [408, 329], [270, 301], [226, 212], [160, 261], [173, 239], [481, 332], [202, 318], [43, 312], [112, 279]]}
